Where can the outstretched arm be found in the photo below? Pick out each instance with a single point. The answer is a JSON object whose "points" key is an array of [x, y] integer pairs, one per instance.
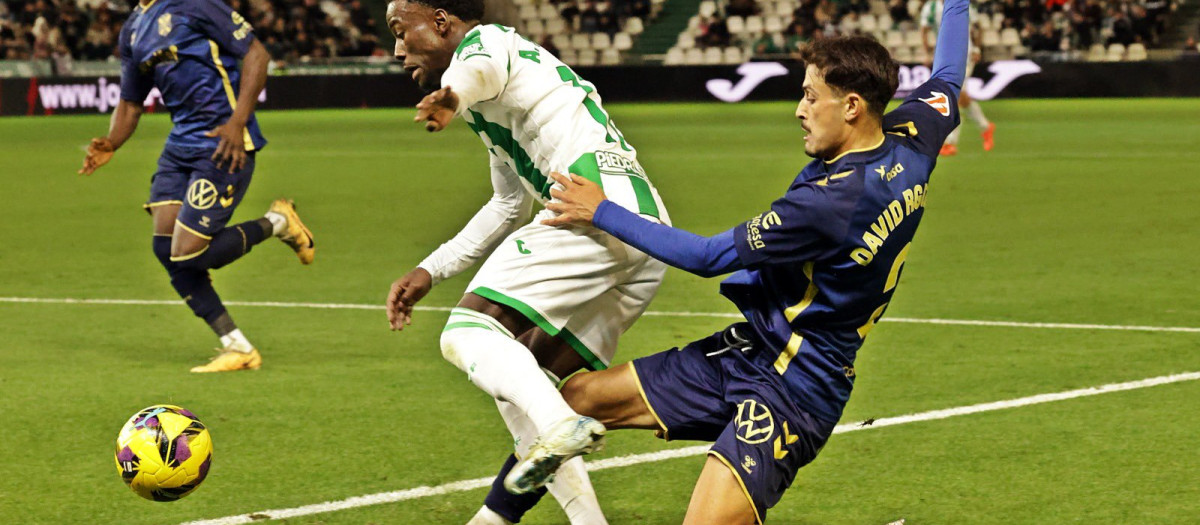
{"points": [[584, 203], [954, 40]]}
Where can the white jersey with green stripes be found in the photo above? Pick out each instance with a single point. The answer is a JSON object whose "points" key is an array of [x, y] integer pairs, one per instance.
{"points": [[536, 116]]}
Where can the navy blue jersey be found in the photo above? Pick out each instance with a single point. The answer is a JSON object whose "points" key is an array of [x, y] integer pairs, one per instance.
{"points": [[189, 49], [823, 262]]}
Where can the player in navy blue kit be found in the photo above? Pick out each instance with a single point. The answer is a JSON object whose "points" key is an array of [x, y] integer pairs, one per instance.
{"points": [[189, 50], [812, 276]]}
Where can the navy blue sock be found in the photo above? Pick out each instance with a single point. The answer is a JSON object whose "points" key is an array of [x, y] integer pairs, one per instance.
{"points": [[511, 506], [194, 286], [228, 245]]}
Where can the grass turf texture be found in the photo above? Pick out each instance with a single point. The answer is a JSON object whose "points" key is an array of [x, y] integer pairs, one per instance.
{"points": [[1084, 213]]}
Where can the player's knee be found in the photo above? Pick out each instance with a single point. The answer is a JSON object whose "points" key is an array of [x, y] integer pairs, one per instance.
{"points": [[576, 393], [162, 249], [195, 260], [451, 341]]}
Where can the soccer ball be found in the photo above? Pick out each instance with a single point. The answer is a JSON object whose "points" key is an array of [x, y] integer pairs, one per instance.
{"points": [[163, 452]]}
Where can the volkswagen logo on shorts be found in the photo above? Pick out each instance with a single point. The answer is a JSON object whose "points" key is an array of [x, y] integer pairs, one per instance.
{"points": [[754, 422]]}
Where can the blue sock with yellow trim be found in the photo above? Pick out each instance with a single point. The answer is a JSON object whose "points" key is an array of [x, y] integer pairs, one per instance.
{"points": [[228, 245], [193, 285], [508, 505]]}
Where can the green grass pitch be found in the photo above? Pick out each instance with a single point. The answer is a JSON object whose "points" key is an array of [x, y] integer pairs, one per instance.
{"points": [[1086, 212]]}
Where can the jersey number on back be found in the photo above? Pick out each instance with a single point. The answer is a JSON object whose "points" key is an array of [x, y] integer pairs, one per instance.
{"points": [[597, 113], [893, 278]]}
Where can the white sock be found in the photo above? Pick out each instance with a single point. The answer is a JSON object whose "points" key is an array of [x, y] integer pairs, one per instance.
{"points": [[572, 488], [976, 113], [571, 485], [237, 341], [503, 368], [487, 516], [278, 223], [953, 137]]}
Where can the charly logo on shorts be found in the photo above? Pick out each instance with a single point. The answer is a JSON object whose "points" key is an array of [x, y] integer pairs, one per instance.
{"points": [[755, 424], [202, 194]]}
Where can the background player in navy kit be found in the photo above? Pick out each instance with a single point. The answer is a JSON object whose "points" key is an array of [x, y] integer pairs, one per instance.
{"points": [[189, 50], [813, 274]]}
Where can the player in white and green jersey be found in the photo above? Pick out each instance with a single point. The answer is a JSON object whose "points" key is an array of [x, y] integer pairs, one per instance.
{"points": [[546, 299], [930, 21]]}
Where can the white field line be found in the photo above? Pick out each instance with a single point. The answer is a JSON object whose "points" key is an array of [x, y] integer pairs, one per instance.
{"points": [[636, 459], [652, 313]]}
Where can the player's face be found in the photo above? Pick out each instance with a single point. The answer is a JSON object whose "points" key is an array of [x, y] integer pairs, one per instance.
{"points": [[421, 42], [822, 115]]}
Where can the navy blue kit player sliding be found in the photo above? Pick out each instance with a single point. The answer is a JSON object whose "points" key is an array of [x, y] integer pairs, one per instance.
{"points": [[812, 275], [190, 51]]}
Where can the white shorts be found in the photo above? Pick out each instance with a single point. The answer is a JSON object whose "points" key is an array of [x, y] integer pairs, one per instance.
{"points": [[579, 284]]}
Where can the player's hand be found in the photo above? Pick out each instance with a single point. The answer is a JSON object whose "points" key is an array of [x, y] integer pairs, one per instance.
{"points": [[576, 202], [405, 293], [98, 154], [231, 151], [436, 109]]}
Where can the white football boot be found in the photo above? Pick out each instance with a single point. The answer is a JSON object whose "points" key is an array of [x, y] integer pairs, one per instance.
{"points": [[573, 436]]}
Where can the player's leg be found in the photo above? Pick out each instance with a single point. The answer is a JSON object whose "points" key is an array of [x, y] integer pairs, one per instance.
{"points": [[570, 486], [201, 242], [950, 147], [718, 498], [678, 393]]}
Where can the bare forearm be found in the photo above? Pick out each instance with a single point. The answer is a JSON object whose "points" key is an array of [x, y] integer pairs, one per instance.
{"points": [[254, 79], [124, 122]]}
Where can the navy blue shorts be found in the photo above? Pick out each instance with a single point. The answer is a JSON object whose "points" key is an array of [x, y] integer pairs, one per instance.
{"points": [[710, 391], [208, 194]]}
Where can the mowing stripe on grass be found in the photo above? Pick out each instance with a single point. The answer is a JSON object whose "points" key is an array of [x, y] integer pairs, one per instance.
{"points": [[636, 459], [652, 313]]}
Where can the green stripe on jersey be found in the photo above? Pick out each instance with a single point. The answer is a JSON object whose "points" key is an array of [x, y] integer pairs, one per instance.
{"points": [[585, 166], [503, 138], [472, 38], [645, 197]]}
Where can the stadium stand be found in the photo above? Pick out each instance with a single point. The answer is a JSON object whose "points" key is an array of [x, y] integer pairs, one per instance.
{"points": [[291, 30], [587, 32], [1096, 30]]}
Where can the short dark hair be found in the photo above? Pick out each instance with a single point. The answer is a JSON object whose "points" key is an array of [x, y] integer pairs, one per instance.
{"points": [[463, 9], [856, 64]]}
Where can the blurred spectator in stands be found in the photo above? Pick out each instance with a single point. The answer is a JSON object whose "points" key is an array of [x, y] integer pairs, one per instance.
{"points": [[589, 18], [1191, 48], [901, 17], [570, 14], [1119, 27], [99, 39], [860, 7], [1158, 10], [302, 45], [1142, 25], [548, 44], [1084, 17], [850, 24], [742, 8], [361, 18], [1012, 13], [764, 45], [716, 34], [825, 15], [1045, 38], [62, 61], [795, 39], [640, 9]]}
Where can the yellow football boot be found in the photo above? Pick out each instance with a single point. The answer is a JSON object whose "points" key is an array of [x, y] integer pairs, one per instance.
{"points": [[231, 360], [296, 236]]}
